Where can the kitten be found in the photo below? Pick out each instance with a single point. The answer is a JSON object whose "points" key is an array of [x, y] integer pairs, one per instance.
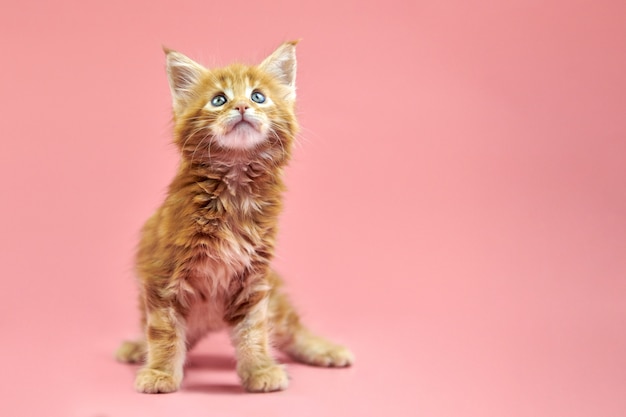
{"points": [[204, 257]]}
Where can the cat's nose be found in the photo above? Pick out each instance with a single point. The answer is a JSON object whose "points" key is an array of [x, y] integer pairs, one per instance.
{"points": [[242, 107]]}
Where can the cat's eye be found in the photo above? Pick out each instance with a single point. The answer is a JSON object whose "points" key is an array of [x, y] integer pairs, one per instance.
{"points": [[218, 100], [257, 97]]}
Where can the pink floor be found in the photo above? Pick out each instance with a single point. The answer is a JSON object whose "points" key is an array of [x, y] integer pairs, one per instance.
{"points": [[456, 210]]}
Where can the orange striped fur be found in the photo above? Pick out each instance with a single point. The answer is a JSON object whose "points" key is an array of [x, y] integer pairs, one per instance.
{"points": [[204, 257]]}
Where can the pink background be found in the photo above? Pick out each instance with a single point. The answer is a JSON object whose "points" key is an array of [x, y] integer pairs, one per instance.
{"points": [[456, 211]]}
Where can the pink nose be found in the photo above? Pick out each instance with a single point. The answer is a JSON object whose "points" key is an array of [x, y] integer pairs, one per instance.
{"points": [[242, 107]]}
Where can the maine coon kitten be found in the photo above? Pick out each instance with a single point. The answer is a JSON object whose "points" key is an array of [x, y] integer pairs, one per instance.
{"points": [[204, 257]]}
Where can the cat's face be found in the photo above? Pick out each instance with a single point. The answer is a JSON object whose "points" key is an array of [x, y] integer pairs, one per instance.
{"points": [[234, 112]]}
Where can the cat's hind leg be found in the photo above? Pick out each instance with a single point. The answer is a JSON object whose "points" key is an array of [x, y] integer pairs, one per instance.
{"points": [[132, 351], [311, 349], [293, 338]]}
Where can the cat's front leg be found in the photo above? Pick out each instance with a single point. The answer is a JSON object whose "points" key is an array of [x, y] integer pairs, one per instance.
{"points": [[257, 369], [165, 337]]}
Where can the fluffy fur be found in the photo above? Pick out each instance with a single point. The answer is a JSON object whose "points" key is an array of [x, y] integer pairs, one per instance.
{"points": [[204, 257]]}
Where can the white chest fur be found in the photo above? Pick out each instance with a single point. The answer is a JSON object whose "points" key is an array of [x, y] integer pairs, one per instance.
{"points": [[240, 195]]}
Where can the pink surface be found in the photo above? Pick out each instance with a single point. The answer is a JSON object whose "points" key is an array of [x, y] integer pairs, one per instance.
{"points": [[456, 212]]}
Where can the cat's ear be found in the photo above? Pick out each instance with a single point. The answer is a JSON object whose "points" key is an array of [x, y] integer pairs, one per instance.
{"points": [[282, 65], [183, 75]]}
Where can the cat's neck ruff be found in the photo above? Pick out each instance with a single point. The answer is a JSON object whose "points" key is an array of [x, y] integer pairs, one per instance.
{"points": [[240, 164], [242, 181]]}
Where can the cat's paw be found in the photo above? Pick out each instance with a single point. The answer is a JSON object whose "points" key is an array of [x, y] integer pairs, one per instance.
{"points": [[320, 352], [131, 351], [152, 381], [265, 379]]}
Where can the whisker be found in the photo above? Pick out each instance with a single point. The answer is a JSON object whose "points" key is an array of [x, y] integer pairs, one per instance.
{"points": [[275, 135], [193, 155], [193, 134], [209, 148]]}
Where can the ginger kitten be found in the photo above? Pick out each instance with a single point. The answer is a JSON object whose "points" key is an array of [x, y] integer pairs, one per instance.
{"points": [[204, 257]]}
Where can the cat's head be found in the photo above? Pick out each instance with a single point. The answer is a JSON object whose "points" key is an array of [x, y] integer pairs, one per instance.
{"points": [[234, 112]]}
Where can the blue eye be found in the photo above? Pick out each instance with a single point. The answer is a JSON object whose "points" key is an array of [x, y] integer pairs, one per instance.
{"points": [[218, 100], [257, 97]]}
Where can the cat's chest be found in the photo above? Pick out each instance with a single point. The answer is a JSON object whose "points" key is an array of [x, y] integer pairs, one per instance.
{"points": [[236, 215], [222, 257], [242, 194], [238, 176]]}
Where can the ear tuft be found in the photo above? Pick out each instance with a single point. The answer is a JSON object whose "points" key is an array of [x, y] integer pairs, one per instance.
{"points": [[183, 74], [282, 65]]}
